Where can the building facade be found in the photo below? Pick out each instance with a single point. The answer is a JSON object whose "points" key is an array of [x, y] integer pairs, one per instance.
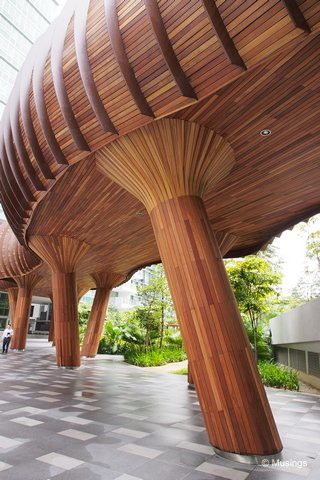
{"points": [[125, 296], [296, 340]]}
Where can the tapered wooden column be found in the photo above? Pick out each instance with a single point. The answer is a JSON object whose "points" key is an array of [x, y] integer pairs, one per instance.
{"points": [[169, 165], [104, 281], [12, 298], [63, 254], [26, 285], [232, 397]]}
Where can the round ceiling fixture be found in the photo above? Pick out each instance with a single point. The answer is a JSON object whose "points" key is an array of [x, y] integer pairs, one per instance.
{"points": [[265, 132]]}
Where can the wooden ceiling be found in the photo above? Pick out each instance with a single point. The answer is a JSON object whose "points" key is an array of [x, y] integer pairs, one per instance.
{"points": [[235, 66]]}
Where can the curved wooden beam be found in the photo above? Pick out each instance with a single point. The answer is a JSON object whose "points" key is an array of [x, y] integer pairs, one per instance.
{"points": [[21, 202], [39, 99], [296, 15], [80, 30], [13, 161], [127, 72], [58, 80], [171, 60], [15, 260], [20, 146], [12, 213], [222, 34], [25, 110]]}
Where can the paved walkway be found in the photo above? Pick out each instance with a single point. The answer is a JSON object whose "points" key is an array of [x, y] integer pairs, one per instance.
{"points": [[114, 421]]}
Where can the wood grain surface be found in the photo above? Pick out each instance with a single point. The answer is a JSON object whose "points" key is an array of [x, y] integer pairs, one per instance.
{"points": [[104, 281], [219, 353], [26, 284], [62, 254], [88, 80]]}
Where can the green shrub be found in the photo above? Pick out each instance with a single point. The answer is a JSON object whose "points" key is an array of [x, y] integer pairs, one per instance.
{"points": [[150, 357], [278, 376], [263, 342], [182, 371]]}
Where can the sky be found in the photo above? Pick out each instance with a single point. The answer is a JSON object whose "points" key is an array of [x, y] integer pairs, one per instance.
{"points": [[292, 248]]}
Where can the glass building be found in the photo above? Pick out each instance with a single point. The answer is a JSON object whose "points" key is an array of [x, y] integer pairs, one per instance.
{"points": [[21, 23]]}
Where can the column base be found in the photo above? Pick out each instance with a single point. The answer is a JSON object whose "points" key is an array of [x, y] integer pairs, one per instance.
{"points": [[264, 460]]}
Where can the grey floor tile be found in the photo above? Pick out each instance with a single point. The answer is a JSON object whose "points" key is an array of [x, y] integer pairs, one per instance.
{"points": [[156, 470], [132, 413]]}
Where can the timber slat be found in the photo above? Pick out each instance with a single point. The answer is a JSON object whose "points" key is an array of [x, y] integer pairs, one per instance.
{"points": [[80, 31]]}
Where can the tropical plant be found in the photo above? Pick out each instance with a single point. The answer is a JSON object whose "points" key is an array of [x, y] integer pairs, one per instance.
{"points": [[157, 302], [253, 281], [278, 376]]}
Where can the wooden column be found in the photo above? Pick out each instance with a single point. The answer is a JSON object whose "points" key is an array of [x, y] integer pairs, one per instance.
{"points": [[219, 353], [63, 254], [104, 281], [12, 298], [225, 242], [26, 285], [168, 165]]}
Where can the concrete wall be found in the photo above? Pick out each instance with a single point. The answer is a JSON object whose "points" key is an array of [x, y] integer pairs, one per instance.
{"points": [[300, 325], [296, 340]]}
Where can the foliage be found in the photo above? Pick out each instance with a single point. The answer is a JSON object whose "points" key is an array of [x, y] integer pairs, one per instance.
{"points": [[173, 338], [116, 338], [157, 306], [83, 315], [272, 255], [272, 375], [115, 316], [281, 304], [313, 246], [278, 376], [182, 371], [154, 356], [149, 321], [308, 285], [263, 341], [253, 281]]}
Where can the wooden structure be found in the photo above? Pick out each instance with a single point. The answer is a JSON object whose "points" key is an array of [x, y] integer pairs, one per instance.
{"points": [[132, 135]]}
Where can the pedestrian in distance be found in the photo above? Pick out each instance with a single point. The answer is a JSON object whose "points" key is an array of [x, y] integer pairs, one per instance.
{"points": [[6, 338]]}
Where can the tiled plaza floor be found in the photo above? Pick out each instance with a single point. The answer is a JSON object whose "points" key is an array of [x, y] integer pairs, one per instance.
{"points": [[114, 421]]}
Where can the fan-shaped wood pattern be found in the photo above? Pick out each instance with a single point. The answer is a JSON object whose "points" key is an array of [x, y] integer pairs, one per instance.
{"points": [[166, 159]]}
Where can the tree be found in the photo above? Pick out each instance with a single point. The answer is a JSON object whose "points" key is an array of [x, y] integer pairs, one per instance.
{"points": [[149, 321], [156, 299], [83, 315], [272, 255], [253, 281], [313, 246]]}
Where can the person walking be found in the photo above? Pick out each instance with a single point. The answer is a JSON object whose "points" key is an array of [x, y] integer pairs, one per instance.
{"points": [[6, 338]]}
